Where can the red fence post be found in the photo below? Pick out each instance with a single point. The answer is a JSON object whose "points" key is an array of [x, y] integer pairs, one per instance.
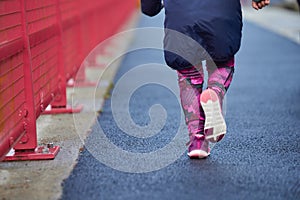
{"points": [[26, 148], [79, 77], [29, 140], [59, 104]]}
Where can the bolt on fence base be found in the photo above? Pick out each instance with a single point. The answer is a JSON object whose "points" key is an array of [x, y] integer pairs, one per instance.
{"points": [[48, 152]]}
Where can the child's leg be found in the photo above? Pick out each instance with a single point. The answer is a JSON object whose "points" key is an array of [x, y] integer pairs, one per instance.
{"points": [[220, 77], [190, 84]]}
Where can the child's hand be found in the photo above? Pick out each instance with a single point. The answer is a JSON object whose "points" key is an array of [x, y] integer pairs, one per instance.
{"points": [[260, 4]]}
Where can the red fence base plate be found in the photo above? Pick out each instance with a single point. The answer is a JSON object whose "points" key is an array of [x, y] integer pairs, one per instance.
{"points": [[68, 109], [40, 153]]}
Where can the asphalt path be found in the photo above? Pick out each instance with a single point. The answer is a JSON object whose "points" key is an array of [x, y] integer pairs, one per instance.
{"points": [[258, 159]]}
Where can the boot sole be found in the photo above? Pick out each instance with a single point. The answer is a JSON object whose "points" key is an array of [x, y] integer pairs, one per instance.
{"points": [[215, 126]]}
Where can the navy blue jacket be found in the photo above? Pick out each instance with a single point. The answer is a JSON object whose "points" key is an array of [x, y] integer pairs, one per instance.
{"points": [[197, 30]]}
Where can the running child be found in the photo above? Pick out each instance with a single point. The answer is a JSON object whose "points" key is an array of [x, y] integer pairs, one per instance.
{"points": [[198, 30]]}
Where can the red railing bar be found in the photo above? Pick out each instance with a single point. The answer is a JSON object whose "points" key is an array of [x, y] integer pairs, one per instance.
{"points": [[10, 83], [9, 99], [11, 48], [42, 35], [41, 19], [4, 28], [41, 61], [9, 13], [9, 115], [66, 24], [37, 4]]}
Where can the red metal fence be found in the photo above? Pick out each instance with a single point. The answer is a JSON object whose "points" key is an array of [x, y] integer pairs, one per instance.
{"points": [[42, 44]]}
